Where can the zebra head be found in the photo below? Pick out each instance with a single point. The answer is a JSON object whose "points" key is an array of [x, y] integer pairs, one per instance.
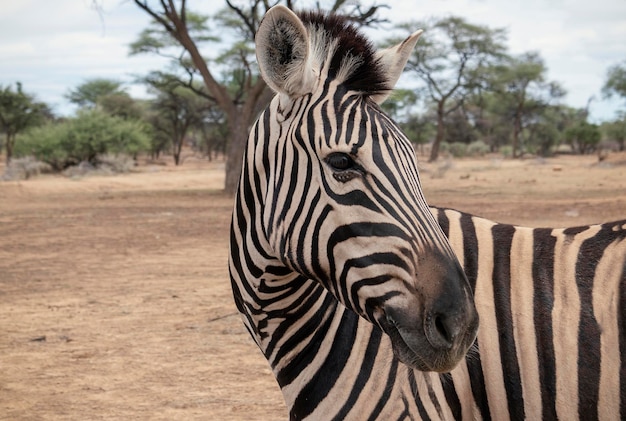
{"points": [[340, 192]]}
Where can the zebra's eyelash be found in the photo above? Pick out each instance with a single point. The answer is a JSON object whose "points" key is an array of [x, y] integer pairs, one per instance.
{"points": [[344, 166]]}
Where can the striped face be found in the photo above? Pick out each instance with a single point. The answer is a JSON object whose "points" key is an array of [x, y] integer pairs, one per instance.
{"points": [[342, 200]]}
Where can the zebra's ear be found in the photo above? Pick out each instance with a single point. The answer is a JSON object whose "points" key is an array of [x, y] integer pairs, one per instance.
{"points": [[282, 51], [393, 60]]}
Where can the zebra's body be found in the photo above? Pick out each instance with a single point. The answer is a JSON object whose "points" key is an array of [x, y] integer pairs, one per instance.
{"points": [[343, 276], [552, 305]]}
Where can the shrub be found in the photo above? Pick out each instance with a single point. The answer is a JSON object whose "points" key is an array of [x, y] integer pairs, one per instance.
{"points": [[85, 138], [444, 147], [458, 149], [477, 148], [506, 151], [24, 168]]}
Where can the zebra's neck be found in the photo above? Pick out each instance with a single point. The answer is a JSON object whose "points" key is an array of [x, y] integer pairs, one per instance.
{"points": [[317, 348]]}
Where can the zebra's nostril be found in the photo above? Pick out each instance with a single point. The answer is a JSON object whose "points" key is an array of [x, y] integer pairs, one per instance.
{"points": [[441, 330]]}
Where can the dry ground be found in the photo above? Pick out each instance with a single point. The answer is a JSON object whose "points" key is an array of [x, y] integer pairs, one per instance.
{"points": [[114, 293]]}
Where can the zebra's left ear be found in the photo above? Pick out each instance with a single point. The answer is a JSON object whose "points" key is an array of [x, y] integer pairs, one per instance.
{"points": [[393, 60], [282, 50]]}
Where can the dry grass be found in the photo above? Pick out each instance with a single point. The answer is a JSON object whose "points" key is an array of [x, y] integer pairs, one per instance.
{"points": [[114, 294]]}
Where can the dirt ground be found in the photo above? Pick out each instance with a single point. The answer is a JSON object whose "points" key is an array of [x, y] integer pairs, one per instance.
{"points": [[114, 294]]}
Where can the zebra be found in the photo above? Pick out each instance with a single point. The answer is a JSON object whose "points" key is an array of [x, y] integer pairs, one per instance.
{"points": [[552, 305], [332, 246], [329, 214]]}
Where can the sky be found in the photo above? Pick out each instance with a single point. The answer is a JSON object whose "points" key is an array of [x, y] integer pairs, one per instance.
{"points": [[54, 46]]}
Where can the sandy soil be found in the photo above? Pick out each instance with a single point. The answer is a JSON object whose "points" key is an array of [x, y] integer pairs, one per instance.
{"points": [[114, 293]]}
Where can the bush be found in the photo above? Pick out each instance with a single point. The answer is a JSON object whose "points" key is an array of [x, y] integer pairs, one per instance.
{"points": [[24, 168], [458, 149], [477, 148], [506, 151], [85, 138]]}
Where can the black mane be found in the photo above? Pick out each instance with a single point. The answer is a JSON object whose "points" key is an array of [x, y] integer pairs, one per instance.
{"points": [[368, 77]]}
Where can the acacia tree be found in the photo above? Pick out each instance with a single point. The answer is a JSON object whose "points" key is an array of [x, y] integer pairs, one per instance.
{"points": [[523, 91], [106, 95], [584, 137], [446, 62], [18, 111], [88, 93], [615, 83], [175, 111], [616, 130], [241, 97]]}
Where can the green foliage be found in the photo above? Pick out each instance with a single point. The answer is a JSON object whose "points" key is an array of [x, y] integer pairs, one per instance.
{"points": [[584, 137], [448, 62], [546, 131], [419, 129], [120, 104], [522, 93], [506, 151], [457, 149], [18, 111], [616, 131], [615, 83], [477, 148], [89, 93], [84, 138], [175, 112], [458, 128]]}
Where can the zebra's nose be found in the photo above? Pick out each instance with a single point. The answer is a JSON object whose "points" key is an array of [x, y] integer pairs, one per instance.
{"points": [[442, 330], [451, 318]]}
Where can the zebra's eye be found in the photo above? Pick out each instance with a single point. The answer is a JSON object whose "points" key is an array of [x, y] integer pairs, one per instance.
{"points": [[340, 161], [344, 167]]}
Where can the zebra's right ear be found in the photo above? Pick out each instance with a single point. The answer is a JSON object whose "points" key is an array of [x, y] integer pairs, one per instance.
{"points": [[393, 60], [282, 51]]}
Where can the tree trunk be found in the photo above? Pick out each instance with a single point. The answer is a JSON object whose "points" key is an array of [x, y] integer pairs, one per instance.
{"points": [[516, 131], [238, 127], [176, 155], [239, 124], [434, 152], [10, 142]]}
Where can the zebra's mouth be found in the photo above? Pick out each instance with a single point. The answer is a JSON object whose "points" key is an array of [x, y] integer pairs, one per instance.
{"points": [[405, 343], [411, 347]]}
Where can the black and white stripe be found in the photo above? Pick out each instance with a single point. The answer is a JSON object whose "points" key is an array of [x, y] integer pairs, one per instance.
{"points": [[350, 288], [552, 340], [341, 273]]}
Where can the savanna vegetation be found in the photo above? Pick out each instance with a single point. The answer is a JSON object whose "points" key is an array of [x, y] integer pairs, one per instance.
{"points": [[468, 94]]}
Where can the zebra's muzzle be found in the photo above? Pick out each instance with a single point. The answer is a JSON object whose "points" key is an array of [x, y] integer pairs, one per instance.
{"points": [[434, 341]]}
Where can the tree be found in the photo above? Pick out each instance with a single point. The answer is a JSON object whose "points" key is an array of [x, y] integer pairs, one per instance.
{"points": [[175, 111], [18, 111], [177, 24], [546, 130], [89, 93], [615, 83], [120, 104], [584, 136], [458, 128], [616, 130], [447, 61], [242, 104], [523, 91]]}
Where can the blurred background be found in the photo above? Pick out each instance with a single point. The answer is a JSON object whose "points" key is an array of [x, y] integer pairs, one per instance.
{"points": [[83, 82]]}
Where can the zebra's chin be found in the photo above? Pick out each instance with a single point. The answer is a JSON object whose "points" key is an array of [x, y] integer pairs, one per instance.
{"points": [[412, 348]]}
